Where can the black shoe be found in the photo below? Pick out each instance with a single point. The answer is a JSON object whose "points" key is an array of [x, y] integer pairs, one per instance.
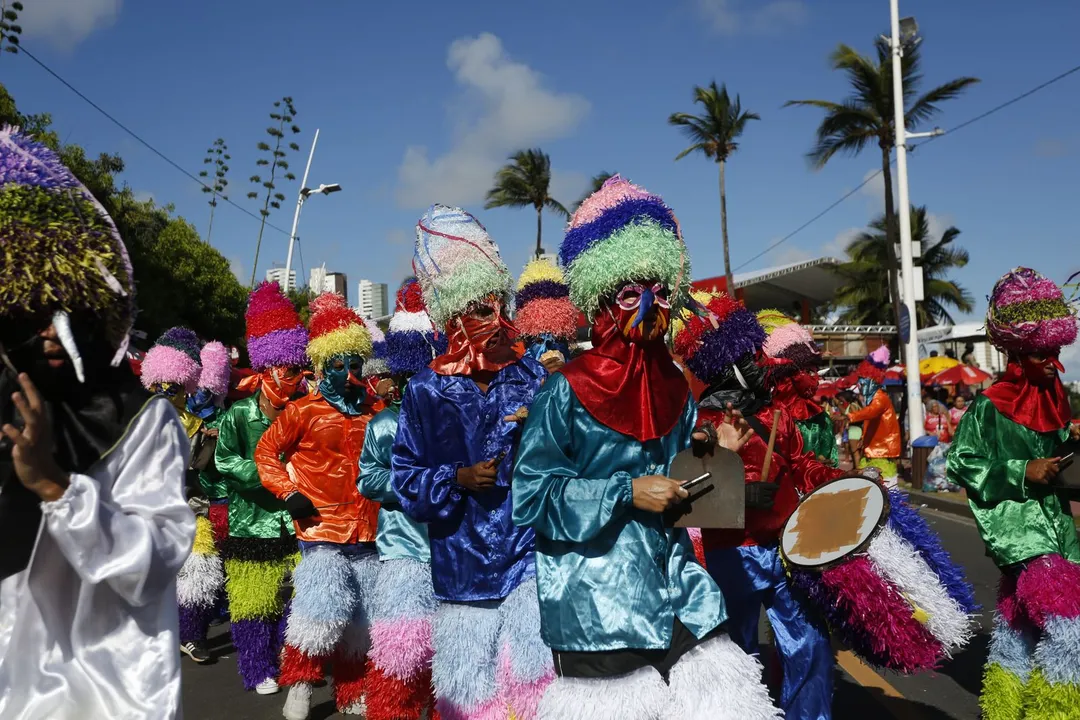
{"points": [[196, 651]]}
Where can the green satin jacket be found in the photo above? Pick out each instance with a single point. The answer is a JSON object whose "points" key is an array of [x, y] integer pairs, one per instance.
{"points": [[819, 438], [1017, 520], [253, 511]]}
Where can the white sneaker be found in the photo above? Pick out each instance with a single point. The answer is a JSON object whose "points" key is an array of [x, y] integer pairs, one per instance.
{"points": [[268, 686], [357, 708], [298, 704]]}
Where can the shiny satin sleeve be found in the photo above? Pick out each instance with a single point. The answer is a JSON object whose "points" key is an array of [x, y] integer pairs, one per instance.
{"points": [[876, 408], [279, 440], [549, 494], [376, 479], [240, 472], [809, 471], [426, 493], [975, 463], [138, 540]]}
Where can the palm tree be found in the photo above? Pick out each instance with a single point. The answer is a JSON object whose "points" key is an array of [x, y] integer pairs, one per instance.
{"points": [[598, 181], [525, 181], [865, 300], [713, 133], [867, 116]]}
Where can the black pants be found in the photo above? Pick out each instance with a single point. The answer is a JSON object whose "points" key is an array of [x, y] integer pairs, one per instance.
{"points": [[612, 663]]}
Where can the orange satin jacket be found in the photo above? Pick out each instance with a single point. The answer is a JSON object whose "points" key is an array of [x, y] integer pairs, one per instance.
{"points": [[322, 448], [881, 429]]}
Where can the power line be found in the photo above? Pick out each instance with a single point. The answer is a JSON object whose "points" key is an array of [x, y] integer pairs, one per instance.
{"points": [[144, 143], [961, 126]]}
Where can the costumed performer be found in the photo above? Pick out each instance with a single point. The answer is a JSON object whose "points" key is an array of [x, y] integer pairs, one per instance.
{"points": [[545, 317], [1005, 454], [880, 444], [634, 623], [261, 546], [172, 368], [794, 379], [458, 431], [720, 348], [399, 672], [93, 520], [320, 438]]}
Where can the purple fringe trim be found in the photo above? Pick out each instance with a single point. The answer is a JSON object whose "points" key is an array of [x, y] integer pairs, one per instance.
{"points": [[258, 645], [628, 212], [549, 289], [280, 347], [194, 623]]}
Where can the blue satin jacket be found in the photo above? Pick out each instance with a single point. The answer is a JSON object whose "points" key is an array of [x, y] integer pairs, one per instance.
{"points": [[446, 423], [610, 576], [399, 536]]}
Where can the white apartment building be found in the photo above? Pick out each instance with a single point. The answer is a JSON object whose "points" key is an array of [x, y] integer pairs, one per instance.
{"points": [[372, 299], [278, 275]]}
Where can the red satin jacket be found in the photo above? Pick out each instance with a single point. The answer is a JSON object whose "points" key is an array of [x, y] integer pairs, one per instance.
{"points": [[802, 473], [322, 448]]}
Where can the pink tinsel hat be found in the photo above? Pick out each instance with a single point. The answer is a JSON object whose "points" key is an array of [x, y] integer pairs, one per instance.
{"points": [[216, 368]]}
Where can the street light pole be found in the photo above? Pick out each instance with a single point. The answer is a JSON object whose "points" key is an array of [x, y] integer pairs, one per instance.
{"points": [[300, 197], [907, 264]]}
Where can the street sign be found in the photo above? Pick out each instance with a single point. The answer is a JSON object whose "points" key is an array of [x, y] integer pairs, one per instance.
{"points": [[905, 324], [917, 275]]}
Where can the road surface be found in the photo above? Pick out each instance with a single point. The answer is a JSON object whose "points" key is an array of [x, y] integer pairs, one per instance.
{"points": [[213, 691]]}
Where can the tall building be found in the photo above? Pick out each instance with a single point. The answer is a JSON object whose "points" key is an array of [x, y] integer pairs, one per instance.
{"points": [[372, 299], [320, 280], [278, 275]]}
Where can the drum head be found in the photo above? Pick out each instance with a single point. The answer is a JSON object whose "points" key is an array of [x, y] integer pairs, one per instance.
{"points": [[836, 520]]}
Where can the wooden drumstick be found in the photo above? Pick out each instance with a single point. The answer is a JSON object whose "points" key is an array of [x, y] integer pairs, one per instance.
{"points": [[767, 465]]}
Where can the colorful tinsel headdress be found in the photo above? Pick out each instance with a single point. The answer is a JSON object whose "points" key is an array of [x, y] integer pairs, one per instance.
{"points": [[336, 330], [174, 359], [620, 234], [412, 342], [874, 365], [715, 334], [457, 263], [543, 303], [1028, 314], [788, 342], [216, 368], [275, 335], [376, 364], [60, 253]]}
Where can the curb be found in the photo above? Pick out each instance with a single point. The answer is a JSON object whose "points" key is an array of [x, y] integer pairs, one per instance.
{"points": [[941, 504]]}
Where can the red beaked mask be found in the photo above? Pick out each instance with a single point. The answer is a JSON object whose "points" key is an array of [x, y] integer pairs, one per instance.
{"points": [[806, 384], [479, 340], [1035, 369], [1029, 396], [633, 305], [279, 384]]}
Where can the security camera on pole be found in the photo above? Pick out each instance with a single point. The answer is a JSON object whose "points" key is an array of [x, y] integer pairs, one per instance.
{"points": [[905, 31], [305, 192]]}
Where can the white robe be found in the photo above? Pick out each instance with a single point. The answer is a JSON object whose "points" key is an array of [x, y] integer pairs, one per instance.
{"points": [[89, 629]]}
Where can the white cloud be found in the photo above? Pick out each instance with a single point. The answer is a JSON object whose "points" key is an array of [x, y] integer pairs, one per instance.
{"points": [[1070, 358], [503, 107], [66, 22], [238, 270], [729, 17], [568, 187], [402, 250]]}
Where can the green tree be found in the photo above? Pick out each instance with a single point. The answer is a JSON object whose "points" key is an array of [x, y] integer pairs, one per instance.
{"points": [[714, 133], [273, 158], [218, 156], [864, 299], [867, 116], [524, 182], [10, 30], [595, 184]]}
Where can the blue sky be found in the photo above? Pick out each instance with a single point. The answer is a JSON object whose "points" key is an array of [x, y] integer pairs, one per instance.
{"points": [[418, 102]]}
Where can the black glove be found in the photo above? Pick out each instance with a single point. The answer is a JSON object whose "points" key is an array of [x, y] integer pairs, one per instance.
{"points": [[300, 507], [760, 495]]}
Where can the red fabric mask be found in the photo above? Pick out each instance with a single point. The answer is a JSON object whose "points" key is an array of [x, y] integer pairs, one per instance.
{"points": [[632, 387], [277, 383], [796, 393], [1028, 396], [479, 344]]}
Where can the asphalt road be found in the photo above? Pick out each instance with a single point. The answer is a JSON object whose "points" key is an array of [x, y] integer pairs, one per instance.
{"points": [[214, 692]]}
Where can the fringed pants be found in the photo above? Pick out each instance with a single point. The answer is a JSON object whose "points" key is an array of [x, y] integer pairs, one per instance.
{"points": [[255, 569], [714, 680], [399, 665], [1033, 671], [752, 576], [199, 584], [490, 662], [329, 618]]}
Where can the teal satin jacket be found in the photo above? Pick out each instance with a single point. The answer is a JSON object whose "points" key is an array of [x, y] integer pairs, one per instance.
{"points": [[399, 536], [610, 576]]}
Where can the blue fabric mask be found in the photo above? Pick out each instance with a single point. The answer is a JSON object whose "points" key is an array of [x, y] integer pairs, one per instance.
{"points": [[342, 387], [868, 388], [201, 404]]}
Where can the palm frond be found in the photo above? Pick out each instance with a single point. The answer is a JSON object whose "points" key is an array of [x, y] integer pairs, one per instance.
{"points": [[926, 106]]}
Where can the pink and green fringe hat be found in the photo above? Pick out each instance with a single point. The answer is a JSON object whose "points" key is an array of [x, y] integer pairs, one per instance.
{"points": [[788, 342], [275, 335], [174, 360], [1028, 314]]}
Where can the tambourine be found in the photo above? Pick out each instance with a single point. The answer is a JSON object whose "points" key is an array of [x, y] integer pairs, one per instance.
{"points": [[876, 572], [717, 487]]}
